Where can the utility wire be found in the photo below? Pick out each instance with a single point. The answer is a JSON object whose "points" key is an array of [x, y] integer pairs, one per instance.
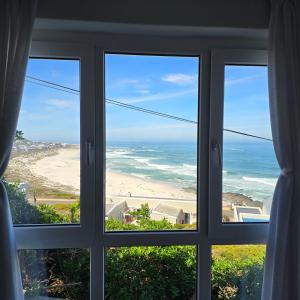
{"points": [[69, 90]]}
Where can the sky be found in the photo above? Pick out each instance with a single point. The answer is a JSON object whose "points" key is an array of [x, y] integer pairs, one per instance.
{"points": [[166, 84]]}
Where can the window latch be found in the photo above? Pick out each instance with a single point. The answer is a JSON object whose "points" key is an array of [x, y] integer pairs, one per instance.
{"points": [[89, 152], [216, 148]]}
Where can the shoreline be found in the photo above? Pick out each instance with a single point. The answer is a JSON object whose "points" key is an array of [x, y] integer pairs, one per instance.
{"points": [[59, 168]]}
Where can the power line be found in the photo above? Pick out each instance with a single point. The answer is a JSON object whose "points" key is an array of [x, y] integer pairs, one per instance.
{"points": [[153, 112], [52, 87], [52, 83], [69, 90]]}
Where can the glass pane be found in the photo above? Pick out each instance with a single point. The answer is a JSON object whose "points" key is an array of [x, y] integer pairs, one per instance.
{"points": [[237, 272], [151, 142], [250, 168], [160, 272], [55, 273], [43, 176]]}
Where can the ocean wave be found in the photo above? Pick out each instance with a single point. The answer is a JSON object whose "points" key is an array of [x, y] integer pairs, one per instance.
{"points": [[266, 181], [141, 160], [117, 153], [184, 169], [139, 175]]}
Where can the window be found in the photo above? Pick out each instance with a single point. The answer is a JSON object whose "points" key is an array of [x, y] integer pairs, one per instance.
{"points": [[139, 146], [55, 272], [44, 170], [237, 271], [250, 169], [151, 141], [161, 272]]}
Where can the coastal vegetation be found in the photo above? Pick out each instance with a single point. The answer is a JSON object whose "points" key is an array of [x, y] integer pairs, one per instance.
{"points": [[160, 272]]}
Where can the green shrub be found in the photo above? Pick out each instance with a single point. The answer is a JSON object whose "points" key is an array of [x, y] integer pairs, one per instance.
{"points": [[133, 272], [162, 272]]}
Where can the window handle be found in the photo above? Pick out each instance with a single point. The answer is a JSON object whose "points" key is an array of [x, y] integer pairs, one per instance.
{"points": [[217, 149], [89, 152]]}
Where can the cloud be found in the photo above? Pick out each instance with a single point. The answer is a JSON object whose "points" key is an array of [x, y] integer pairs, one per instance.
{"points": [[158, 96], [60, 103], [143, 91], [131, 82], [179, 78], [236, 81]]}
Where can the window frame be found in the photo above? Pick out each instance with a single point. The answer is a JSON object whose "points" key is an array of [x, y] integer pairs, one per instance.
{"points": [[39, 236], [150, 238], [219, 231], [90, 48]]}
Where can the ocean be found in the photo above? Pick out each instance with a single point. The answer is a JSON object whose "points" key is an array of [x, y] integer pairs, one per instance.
{"points": [[249, 169]]}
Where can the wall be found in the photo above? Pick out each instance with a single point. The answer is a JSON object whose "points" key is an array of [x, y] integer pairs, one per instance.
{"points": [[194, 13]]}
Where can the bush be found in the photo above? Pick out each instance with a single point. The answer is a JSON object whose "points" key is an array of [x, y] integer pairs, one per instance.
{"points": [[237, 272], [163, 272]]}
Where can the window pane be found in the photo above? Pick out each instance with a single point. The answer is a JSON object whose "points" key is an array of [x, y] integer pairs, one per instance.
{"points": [[57, 273], [250, 167], [151, 142], [237, 272], [160, 272], [43, 176]]}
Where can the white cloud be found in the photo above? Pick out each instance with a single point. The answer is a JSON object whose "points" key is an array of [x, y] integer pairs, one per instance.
{"points": [[180, 78], [143, 91], [236, 81], [135, 83], [159, 96], [60, 103]]}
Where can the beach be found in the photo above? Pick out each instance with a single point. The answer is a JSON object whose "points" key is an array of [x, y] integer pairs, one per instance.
{"points": [[63, 169], [53, 176]]}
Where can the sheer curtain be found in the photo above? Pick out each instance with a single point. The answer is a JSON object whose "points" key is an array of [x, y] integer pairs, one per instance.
{"points": [[16, 23], [282, 266]]}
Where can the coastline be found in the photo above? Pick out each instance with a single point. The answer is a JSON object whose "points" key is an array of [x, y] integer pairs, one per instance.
{"points": [[59, 167]]}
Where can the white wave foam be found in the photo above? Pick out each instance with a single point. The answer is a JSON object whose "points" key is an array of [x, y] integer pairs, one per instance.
{"points": [[266, 181], [117, 153], [141, 160], [139, 175]]}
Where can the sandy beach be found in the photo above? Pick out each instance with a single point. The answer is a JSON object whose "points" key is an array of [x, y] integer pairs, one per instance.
{"points": [[60, 169], [64, 169]]}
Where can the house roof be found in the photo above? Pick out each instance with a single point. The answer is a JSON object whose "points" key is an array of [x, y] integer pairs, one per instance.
{"points": [[110, 207], [167, 209]]}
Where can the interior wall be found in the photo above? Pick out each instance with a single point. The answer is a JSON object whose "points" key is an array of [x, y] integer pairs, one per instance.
{"points": [[204, 13]]}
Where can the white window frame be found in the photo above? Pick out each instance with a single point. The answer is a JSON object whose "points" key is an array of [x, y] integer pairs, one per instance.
{"points": [[69, 235], [219, 231], [90, 233]]}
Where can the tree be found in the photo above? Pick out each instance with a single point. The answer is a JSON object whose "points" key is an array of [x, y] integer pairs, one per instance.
{"points": [[19, 135], [142, 213]]}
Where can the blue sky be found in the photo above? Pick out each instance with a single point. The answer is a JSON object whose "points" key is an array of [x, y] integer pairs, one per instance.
{"points": [[164, 84]]}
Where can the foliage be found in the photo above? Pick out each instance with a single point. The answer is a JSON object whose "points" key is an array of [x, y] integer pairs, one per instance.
{"points": [[22, 211], [143, 213], [75, 212], [162, 272], [19, 135], [237, 272], [56, 273], [25, 213], [49, 215]]}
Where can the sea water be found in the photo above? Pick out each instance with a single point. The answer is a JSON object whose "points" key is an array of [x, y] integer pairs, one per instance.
{"points": [[249, 169]]}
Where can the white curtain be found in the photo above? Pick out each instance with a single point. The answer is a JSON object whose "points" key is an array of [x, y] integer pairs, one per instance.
{"points": [[16, 23], [282, 265]]}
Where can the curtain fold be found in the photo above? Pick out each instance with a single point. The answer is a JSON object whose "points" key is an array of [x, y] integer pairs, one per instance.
{"points": [[16, 23], [282, 265]]}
